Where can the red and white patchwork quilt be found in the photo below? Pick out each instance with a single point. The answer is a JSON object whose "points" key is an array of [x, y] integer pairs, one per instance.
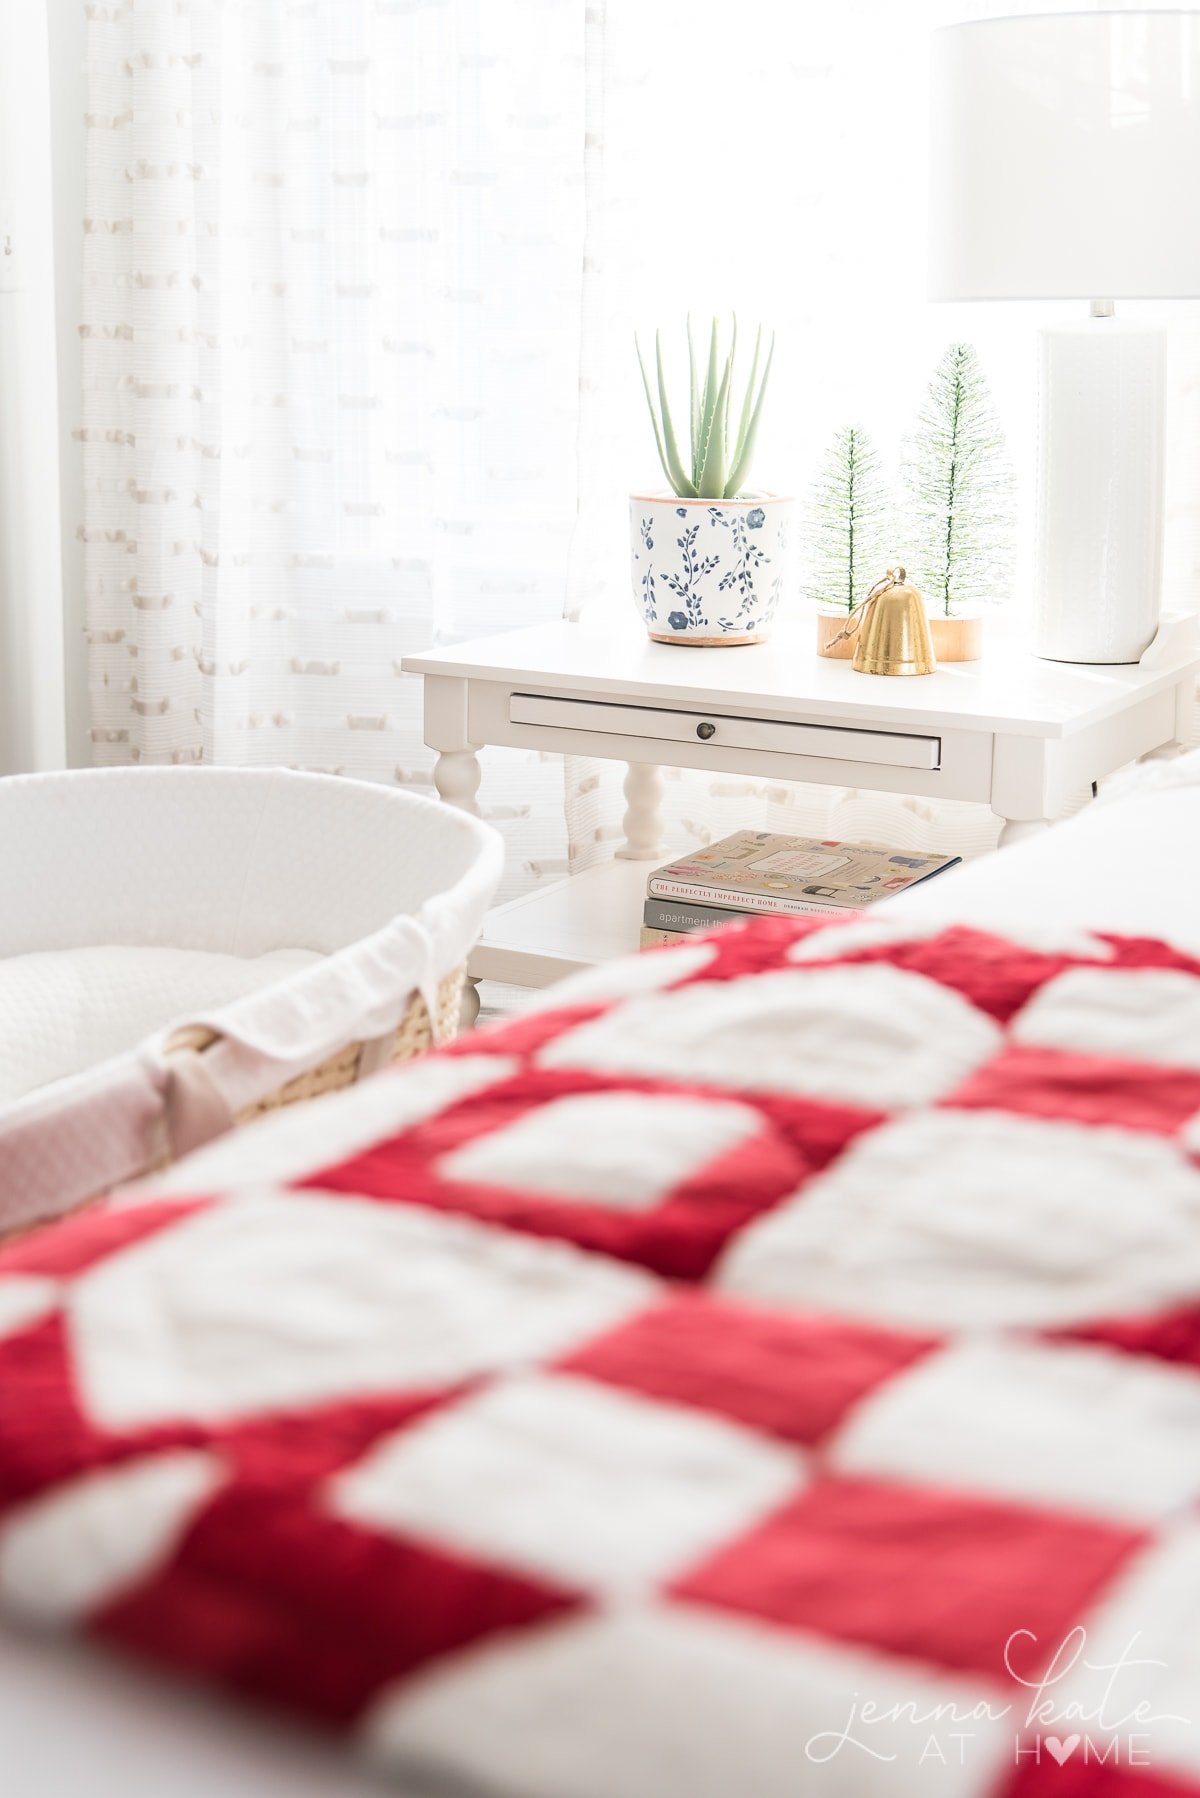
{"points": [[773, 1366]]}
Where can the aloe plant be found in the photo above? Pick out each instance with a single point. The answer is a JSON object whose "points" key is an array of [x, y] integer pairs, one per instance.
{"points": [[717, 469]]}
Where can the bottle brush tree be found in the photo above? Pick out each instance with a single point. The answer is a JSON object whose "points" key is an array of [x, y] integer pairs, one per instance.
{"points": [[848, 536], [960, 487]]}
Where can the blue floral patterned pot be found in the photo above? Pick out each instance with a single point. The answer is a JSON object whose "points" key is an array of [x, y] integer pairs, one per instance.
{"points": [[708, 571]]}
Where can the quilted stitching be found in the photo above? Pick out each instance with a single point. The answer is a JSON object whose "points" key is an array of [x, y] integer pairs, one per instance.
{"points": [[564, 1487]]}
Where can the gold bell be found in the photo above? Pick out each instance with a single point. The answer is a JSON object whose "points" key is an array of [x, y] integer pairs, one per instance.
{"points": [[894, 636]]}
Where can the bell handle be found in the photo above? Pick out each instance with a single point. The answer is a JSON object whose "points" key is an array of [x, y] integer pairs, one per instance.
{"points": [[895, 577]]}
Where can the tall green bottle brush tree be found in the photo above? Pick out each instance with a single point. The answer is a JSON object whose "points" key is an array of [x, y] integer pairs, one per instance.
{"points": [[959, 489], [848, 522]]}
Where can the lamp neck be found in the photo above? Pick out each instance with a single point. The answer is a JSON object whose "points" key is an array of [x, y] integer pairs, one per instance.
{"points": [[1103, 309]]}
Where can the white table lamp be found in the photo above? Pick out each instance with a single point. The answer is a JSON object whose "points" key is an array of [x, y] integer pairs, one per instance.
{"points": [[1065, 164]]}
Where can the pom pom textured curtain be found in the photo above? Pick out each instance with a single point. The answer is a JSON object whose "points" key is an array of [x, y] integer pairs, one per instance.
{"points": [[332, 293]]}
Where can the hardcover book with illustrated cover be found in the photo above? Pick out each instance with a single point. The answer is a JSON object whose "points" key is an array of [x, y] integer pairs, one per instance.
{"points": [[757, 871]]}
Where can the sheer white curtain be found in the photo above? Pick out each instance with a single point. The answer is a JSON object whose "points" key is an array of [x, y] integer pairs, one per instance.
{"points": [[361, 283], [333, 269]]}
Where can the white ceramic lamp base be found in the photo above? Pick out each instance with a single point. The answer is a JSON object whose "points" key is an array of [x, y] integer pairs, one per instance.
{"points": [[1098, 571]]}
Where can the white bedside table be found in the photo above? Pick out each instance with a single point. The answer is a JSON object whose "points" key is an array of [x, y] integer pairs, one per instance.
{"points": [[1010, 731]]}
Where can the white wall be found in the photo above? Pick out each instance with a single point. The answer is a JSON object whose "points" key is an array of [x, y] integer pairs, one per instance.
{"points": [[31, 625]]}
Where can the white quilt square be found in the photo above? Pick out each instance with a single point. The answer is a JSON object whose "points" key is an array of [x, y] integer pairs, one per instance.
{"points": [[962, 1219], [1077, 1428], [24, 1300], [296, 1298], [1145, 1628], [627, 1150], [682, 1702], [591, 1487], [1145, 1014], [82, 1543], [867, 1034], [294, 1141]]}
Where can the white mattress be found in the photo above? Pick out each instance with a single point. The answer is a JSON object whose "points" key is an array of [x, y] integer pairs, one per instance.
{"points": [[71, 1721], [1130, 864], [64, 1010], [74, 1721]]}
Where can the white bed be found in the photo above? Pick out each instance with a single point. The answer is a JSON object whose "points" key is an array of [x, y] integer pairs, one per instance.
{"points": [[72, 1720], [1130, 862], [128, 1737]]}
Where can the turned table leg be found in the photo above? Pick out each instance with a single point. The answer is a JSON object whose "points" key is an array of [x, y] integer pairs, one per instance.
{"points": [[456, 776], [643, 814], [468, 1005], [1015, 830]]}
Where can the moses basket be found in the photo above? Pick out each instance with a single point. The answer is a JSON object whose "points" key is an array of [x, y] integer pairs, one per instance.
{"points": [[385, 892]]}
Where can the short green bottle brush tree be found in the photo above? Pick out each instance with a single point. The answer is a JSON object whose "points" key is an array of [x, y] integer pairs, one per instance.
{"points": [[719, 462], [848, 522], [960, 489]]}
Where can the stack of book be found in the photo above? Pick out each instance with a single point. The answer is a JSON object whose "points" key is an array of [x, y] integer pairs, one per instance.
{"points": [[753, 872]]}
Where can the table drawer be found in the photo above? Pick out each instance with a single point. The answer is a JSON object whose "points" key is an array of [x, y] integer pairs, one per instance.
{"points": [[840, 743]]}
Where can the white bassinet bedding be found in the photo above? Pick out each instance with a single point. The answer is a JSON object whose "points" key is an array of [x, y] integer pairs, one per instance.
{"points": [[64, 1010], [179, 945]]}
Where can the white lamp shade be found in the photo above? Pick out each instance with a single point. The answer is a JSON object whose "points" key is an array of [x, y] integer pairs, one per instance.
{"points": [[1065, 157]]}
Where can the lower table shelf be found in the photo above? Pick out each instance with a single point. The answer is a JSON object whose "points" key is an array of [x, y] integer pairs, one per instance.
{"points": [[556, 930]]}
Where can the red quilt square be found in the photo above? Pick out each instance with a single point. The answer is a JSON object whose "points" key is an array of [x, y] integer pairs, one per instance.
{"points": [[758, 946], [1082, 1089], [788, 1376], [936, 1576], [291, 1450], [46, 1436], [680, 1236], [72, 1245], [525, 1035], [1148, 952], [270, 1599], [997, 976], [1169, 1335]]}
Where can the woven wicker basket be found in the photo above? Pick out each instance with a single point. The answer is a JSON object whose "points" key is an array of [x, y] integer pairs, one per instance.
{"points": [[414, 1034]]}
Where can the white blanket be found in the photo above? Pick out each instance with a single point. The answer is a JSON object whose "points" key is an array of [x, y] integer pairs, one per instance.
{"points": [[65, 1010]]}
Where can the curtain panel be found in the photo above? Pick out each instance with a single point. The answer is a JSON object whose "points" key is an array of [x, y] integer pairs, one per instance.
{"points": [[332, 302]]}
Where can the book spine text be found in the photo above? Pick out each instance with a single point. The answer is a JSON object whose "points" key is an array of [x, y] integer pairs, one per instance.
{"points": [[725, 899]]}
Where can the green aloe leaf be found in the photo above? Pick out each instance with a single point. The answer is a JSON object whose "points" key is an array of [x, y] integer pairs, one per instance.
{"points": [[662, 455], [693, 397], [708, 404], [712, 475], [729, 396], [721, 443], [684, 487], [744, 424], [741, 467]]}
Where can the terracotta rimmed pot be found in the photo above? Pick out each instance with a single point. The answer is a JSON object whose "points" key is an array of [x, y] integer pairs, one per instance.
{"points": [[708, 572]]}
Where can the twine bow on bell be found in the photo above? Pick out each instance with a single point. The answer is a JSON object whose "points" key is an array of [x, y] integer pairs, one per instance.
{"points": [[893, 577], [892, 627]]}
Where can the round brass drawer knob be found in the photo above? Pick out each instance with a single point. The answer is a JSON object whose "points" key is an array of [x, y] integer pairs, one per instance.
{"points": [[706, 730]]}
